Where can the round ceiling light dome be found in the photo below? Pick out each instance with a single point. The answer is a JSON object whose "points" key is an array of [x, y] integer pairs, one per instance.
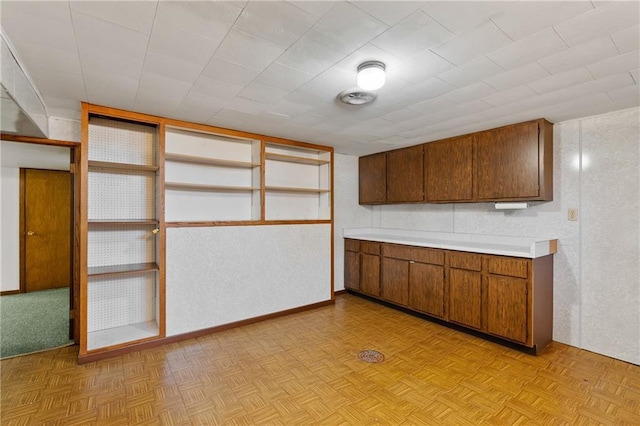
{"points": [[371, 75], [356, 97]]}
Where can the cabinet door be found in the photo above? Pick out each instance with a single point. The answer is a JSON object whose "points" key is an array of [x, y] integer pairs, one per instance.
{"points": [[370, 278], [395, 280], [507, 162], [465, 297], [506, 304], [405, 175], [449, 169], [373, 178], [352, 270], [426, 288]]}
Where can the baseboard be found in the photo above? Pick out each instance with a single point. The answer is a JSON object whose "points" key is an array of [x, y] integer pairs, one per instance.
{"points": [[9, 292], [84, 359], [340, 292]]}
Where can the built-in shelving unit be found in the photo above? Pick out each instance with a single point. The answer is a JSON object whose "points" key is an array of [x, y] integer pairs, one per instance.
{"points": [[122, 275], [211, 177], [297, 183]]}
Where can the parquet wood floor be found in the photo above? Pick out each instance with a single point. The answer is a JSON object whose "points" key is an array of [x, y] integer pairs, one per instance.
{"points": [[303, 370]]}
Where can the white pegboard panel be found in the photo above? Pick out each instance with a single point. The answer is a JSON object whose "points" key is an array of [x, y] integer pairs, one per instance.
{"points": [[120, 245], [122, 142], [115, 302], [121, 196]]}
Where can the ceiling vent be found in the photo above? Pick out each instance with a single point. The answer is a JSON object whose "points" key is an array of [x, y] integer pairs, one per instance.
{"points": [[356, 97]]}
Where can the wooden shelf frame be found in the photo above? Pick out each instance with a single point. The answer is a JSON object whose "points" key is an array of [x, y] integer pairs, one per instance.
{"points": [[295, 159], [205, 187], [111, 270], [123, 222], [121, 167], [298, 190]]}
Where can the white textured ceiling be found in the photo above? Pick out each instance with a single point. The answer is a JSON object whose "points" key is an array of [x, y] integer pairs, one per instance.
{"points": [[276, 67]]}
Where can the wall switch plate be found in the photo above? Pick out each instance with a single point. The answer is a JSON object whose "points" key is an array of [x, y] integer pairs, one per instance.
{"points": [[572, 214]]}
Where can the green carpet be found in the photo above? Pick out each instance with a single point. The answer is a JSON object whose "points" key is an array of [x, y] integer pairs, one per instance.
{"points": [[31, 322]]}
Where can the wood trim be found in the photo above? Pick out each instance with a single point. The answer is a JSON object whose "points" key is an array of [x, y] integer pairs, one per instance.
{"points": [[83, 229], [341, 292], [9, 292], [333, 245], [120, 113], [542, 301], [263, 181], [161, 252], [77, 196], [116, 351], [40, 141], [553, 246]]}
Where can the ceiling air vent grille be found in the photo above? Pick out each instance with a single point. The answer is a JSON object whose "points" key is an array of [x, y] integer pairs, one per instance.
{"points": [[356, 97]]}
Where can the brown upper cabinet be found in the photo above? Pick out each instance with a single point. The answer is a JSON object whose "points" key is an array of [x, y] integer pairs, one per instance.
{"points": [[448, 171], [510, 163], [372, 177], [405, 175]]}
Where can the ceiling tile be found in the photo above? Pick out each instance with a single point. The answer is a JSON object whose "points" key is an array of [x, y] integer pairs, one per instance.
{"points": [[413, 35], [599, 22], [246, 106], [262, 93], [215, 89], [57, 84], [475, 42], [636, 76], [172, 67], [104, 88], [345, 28], [579, 56], [627, 39], [228, 72], [98, 35], [558, 81], [618, 64], [420, 68], [602, 84], [199, 108], [529, 49], [162, 86], [328, 84], [517, 76], [182, 45], [206, 19], [430, 105], [283, 77], [389, 12], [44, 23], [630, 92], [310, 56], [280, 23], [427, 89], [291, 109], [468, 93], [471, 72], [458, 16], [528, 17], [246, 50], [508, 96], [318, 7], [134, 15], [97, 61], [368, 52], [61, 60]]}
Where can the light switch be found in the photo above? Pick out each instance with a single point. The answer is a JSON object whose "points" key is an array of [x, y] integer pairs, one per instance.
{"points": [[572, 214]]}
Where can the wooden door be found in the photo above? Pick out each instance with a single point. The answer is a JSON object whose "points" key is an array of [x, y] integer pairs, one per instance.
{"points": [[370, 278], [352, 270], [395, 280], [465, 297], [426, 288], [506, 302], [405, 175], [372, 178], [507, 162], [46, 229], [449, 169]]}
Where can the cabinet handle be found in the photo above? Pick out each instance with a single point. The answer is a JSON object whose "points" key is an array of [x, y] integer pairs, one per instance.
{"points": [[412, 261], [155, 231]]}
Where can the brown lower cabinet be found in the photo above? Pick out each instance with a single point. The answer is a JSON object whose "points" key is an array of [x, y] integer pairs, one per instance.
{"points": [[507, 297]]}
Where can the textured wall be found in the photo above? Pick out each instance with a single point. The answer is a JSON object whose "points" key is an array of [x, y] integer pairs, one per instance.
{"points": [[220, 275], [596, 272]]}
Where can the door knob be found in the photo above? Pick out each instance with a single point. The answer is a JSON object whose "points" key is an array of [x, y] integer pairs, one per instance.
{"points": [[30, 233]]}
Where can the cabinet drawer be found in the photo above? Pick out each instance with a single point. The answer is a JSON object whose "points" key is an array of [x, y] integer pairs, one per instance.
{"points": [[510, 266], [468, 261], [369, 247], [417, 254], [351, 245]]}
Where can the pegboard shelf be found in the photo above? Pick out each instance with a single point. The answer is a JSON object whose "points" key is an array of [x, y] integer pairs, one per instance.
{"points": [[126, 222], [293, 189], [108, 166], [111, 270], [202, 187], [123, 334]]}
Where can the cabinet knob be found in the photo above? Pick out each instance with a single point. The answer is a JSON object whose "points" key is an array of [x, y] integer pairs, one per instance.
{"points": [[30, 233], [155, 231], [412, 261]]}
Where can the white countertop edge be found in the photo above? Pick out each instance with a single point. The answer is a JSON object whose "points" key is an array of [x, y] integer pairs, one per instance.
{"points": [[528, 247]]}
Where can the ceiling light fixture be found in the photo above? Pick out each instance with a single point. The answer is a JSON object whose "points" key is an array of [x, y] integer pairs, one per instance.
{"points": [[371, 75]]}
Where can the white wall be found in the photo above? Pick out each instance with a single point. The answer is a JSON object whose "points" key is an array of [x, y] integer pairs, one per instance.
{"points": [[596, 272], [13, 156]]}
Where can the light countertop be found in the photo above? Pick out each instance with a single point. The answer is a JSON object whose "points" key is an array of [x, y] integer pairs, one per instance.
{"points": [[529, 247]]}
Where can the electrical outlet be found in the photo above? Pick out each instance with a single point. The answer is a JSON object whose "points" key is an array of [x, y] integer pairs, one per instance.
{"points": [[572, 214]]}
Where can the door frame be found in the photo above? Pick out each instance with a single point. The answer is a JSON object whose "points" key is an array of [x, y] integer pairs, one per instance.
{"points": [[74, 287]]}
